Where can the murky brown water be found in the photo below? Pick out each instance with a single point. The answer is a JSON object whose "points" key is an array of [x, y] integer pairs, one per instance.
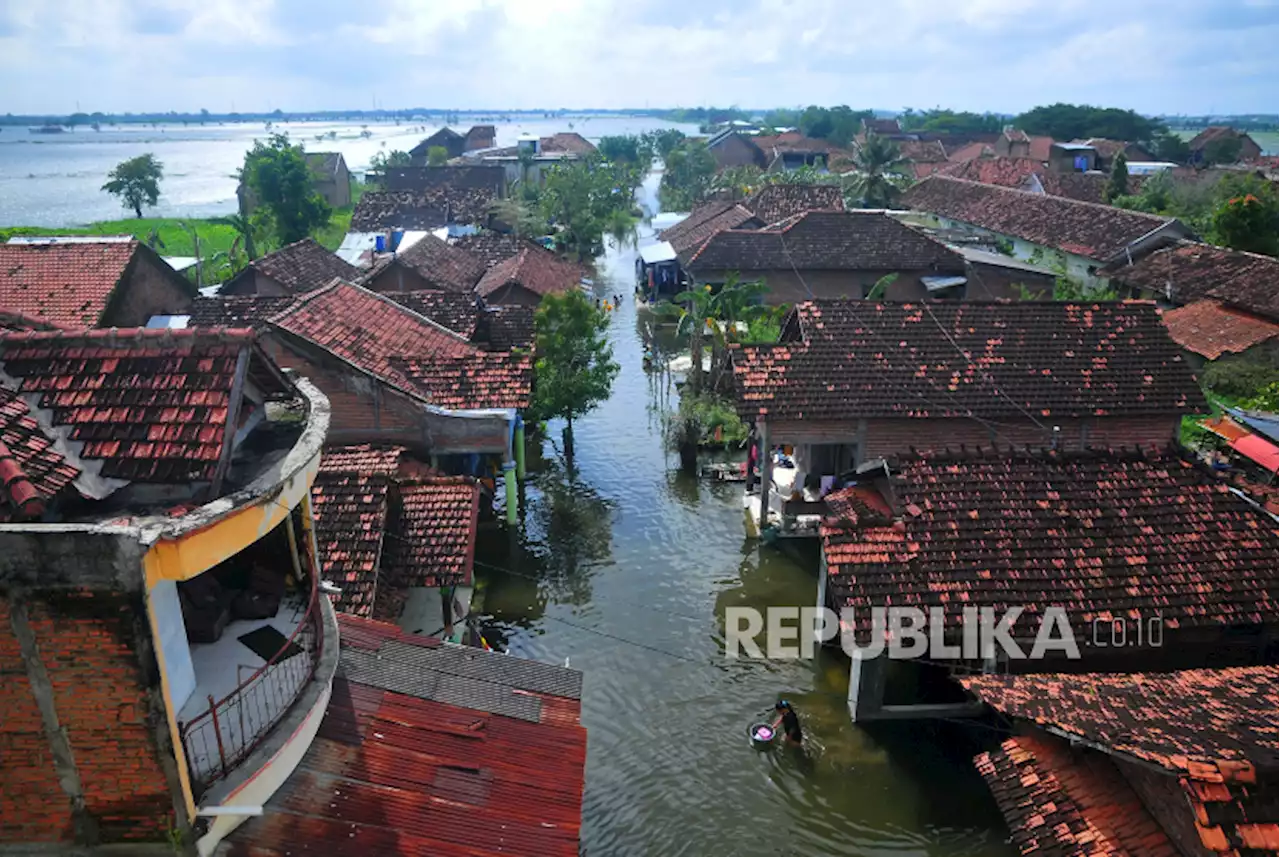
{"points": [[629, 548]]}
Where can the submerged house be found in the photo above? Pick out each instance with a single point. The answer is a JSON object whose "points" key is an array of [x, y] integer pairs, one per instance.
{"points": [[732, 148], [454, 144], [1148, 545], [1143, 763], [1080, 238], [294, 269], [527, 277], [829, 254], [72, 283], [852, 382], [431, 263]]}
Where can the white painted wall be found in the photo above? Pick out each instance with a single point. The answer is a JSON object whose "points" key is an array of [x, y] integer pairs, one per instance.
{"points": [[167, 610]]}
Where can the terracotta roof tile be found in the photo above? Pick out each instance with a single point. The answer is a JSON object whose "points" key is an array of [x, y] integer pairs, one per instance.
{"points": [[435, 541], [454, 310], [510, 326], [32, 472], [968, 152], [492, 247], [369, 331], [489, 379], [237, 310], [1060, 803], [426, 209], [1210, 329], [458, 178], [774, 203], [923, 151], [441, 264], [1097, 533], [1187, 272], [427, 748], [150, 404], [825, 240], [858, 359], [1098, 232], [706, 220], [302, 266], [566, 141], [62, 285], [350, 501], [538, 270], [1028, 173]]}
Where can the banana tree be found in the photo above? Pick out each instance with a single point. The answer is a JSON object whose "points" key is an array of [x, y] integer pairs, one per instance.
{"points": [[702, 312]]}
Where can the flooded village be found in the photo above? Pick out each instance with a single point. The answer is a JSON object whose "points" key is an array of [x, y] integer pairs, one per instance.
{"points": [[811, 483]]}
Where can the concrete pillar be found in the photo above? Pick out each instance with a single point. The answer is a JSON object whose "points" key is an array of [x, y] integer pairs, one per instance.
{"points": [[822, 590], [766, 475], [509, 481], [518, 443], [866, 686]]}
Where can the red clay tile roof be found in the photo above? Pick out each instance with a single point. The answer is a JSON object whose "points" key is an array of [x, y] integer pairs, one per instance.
{"points": [[457, 177], [1210, 329], [302, 266], [774, 203], [492, 247], [1099, 534], [977, 149], [434, 543], [440, 263], [570, 142], [922, 151], [1208, 135], [32, 472], [1097, 232], [427, 209], [150, 404], [432, 749], [825, 240], [1030, 174], [510, 326], [454, 310], [350, 497], [237, 310], [1040, 148], [62, 285], [1187, 272], [489, 379], [1061, 803], [493, 328], [881, 126], [858, 359], [706, 220], [369, 331], [538, 270]]}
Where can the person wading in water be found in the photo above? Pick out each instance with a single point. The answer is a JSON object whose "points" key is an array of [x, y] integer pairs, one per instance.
{"points": [[789, 721]]}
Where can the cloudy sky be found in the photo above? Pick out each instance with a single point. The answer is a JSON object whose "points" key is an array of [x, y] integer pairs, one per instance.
{"points": [[1156, 56]]}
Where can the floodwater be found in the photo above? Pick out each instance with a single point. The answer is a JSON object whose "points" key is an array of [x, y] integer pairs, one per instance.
{"points": [[56, 179], [625, 570]]}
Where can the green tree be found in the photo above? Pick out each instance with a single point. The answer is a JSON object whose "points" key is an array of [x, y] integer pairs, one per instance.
{"points": [[395, 158], [690, 168], [664, 142], [1222, 150], [702, 312], [1081, 121], [738, 182], [877, 162], [1118, 184], [136, 182], [625, 148], [244, 229], [437, 156], [574, 367], [580, 200], [1247, 223], [1170, 147], [288, 206]]}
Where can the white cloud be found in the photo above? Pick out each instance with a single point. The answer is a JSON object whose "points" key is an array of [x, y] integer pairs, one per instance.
{"points": [[1152, 55]]}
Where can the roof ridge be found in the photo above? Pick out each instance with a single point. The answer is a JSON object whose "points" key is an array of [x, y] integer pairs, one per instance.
{"points": [[123, 336], [24, 496], [1058, 199]]}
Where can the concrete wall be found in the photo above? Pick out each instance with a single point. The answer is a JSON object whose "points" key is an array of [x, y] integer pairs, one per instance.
{"points": [[149, 288], [251, 282], [992, 282], [399, 278]]}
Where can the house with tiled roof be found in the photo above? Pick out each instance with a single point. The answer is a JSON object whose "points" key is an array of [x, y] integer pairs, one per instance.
{"points": [[481, 753], [456, 177], [1031, 175], [1170, 763], [884, 127], [1203, 144], [1148, 541], [1108, 149], [1080, 238], [394, 376], [793, 150], [1224, 301], [446, 138], [732, 148], [527, 277], [850, 382], [155, 512], [777, 202], [827, 254], [434, 207], [1014, 143], [294, 269], [52, 283], [431, 263]]}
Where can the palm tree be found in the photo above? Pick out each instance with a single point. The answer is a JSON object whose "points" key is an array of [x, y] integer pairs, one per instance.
{"points": [[244, 228], [702, 311], [878, 161], [738, 182]]}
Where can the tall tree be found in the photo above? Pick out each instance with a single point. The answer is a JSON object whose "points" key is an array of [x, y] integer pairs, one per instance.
{"points": [[690, 167], [136, 182], [437, 156], [1249, 223], [877, 162], [1118, 184], [1081, 121], [288, 205], [574, 367]]}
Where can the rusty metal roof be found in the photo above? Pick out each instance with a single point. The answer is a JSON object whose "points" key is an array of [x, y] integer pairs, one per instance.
{"points": [[394, 770]]}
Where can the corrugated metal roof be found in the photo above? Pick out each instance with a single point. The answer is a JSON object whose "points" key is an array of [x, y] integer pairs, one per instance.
{"points": [[396, 770]]}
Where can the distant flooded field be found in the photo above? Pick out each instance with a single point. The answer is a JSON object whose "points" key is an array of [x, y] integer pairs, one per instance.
{"points": [[1268, 140]]}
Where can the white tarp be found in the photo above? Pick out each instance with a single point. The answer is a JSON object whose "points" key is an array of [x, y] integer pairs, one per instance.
{"points": [[660, 252]]}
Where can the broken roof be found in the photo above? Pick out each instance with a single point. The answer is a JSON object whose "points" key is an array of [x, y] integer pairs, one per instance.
{"points": [[1099, 534], [538, 270], [300, 267], [773, 203], [64, 284], [32, 471], [1210, 329], [824, 240], [1098, 232], [441, 264], [1189, 271], [145, 405], [856, 359], [429, 748]]}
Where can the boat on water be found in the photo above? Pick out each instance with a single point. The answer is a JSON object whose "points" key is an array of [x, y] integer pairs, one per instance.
{"points": [[47, 129]]}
